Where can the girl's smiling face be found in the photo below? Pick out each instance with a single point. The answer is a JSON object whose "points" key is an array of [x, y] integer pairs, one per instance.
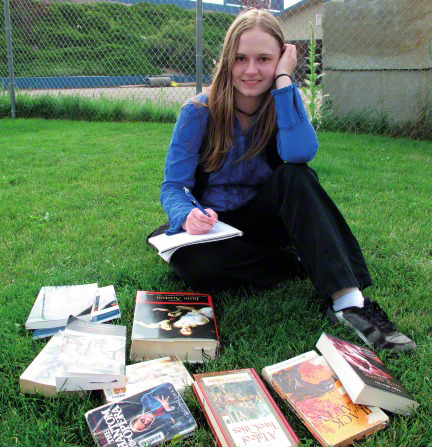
{"points": [[257, 56]]}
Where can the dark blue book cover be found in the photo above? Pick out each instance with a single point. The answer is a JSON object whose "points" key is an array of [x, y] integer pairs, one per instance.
{"points": [[145, 419]]}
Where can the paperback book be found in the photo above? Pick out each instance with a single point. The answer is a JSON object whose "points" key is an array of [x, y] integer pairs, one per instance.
{"points": [[310, 387], [54, 305], [181, 324], [365, 377], [144, 375], [105, 308], [240, 410], [92, 356], [145, 419]]}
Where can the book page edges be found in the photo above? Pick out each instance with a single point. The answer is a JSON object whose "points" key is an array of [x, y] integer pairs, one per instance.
{"points": [[388, 401], [139, 351], [35, 314], [349, 378], [269, 370]]}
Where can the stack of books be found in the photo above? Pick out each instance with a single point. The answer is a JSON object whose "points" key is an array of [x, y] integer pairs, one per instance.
{"points": [[312, 390], [340, 395], [84, 356], [365, 377]]}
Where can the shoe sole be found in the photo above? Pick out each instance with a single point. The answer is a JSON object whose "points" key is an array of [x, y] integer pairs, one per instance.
{"points": [[335, 320]]}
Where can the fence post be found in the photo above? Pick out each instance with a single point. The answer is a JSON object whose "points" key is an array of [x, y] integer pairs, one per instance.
{"points": [[199, 45], [10, 57]]}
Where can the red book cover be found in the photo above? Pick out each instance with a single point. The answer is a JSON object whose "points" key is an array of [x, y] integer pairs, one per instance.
{"points": [[241, 411]]}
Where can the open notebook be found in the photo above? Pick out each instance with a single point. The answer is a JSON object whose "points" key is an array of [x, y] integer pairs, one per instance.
{"points": [[167, 245]]}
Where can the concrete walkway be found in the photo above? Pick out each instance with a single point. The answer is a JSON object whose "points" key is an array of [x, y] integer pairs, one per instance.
{"points": [[137, 93], [140, 93]]}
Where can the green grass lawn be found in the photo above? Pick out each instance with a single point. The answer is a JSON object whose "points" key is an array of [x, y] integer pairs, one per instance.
{"points": [[77, 200]]}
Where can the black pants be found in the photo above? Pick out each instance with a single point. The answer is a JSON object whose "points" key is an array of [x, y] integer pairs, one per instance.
{"points": [[291, 210]]}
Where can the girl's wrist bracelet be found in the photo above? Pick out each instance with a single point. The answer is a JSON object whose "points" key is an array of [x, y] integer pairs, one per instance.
{"points": [[283, 74]]}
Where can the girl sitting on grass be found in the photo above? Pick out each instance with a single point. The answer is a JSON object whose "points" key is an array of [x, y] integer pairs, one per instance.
{"points": [[243, 148]]}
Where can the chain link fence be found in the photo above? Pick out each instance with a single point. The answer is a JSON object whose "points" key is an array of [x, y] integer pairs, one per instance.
{"points": [[374, 55]]}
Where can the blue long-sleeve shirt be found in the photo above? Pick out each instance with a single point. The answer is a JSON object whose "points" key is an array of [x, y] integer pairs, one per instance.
{"points": [[233, 184]]}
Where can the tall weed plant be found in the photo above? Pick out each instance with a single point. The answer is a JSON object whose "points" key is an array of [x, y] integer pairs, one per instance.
{"points": [[313, 91]]}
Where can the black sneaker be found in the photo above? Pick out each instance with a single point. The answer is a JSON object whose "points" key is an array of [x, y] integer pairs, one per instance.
{"points": [[372, 325]]}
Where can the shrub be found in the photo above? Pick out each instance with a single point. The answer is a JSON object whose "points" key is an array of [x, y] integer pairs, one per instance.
{"points": [[88, 109]]}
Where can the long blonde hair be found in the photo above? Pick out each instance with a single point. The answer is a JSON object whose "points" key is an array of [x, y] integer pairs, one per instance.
{"points": [[219, 135]]}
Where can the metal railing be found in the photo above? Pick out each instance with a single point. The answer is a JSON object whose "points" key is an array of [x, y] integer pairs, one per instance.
{"points": [[375, 56]]}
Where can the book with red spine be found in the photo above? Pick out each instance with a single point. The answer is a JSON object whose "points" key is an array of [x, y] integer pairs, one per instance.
{"points": [[241, 411], [167, 323]]}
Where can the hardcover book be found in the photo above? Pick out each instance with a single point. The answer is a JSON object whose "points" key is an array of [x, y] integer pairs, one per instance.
{"points": [[181, 324], [312, 390], [92, 356], [240, 410], [54, 305], [145, 419], [144, 375], [365, 377]]}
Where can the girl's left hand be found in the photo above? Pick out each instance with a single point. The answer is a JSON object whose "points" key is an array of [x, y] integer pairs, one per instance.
{"points": [[288, 61]]}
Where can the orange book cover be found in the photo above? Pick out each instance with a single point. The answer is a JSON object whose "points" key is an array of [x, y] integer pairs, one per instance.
{"points": [[319, 399]]}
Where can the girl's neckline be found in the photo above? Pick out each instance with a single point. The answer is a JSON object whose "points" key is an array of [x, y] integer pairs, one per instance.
{"points": [[248, 114]]}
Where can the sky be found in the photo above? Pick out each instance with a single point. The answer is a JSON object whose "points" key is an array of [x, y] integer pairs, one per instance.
{"points": [[288, 3]]}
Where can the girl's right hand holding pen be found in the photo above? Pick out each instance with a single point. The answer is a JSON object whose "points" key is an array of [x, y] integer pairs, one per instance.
{"points": [[198, 223]]}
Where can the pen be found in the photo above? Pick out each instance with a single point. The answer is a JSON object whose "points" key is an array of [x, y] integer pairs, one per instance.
{"points": [[195, 201]]}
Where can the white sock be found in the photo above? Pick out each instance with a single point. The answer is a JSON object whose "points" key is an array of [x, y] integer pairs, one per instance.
{"points": [[350, 299]]}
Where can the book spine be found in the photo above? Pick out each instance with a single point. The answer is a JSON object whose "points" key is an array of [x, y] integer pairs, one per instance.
{"points": [[94, 431], [201, 402], [215, 324], [143, 294], [275, 407], [106, 316]]}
